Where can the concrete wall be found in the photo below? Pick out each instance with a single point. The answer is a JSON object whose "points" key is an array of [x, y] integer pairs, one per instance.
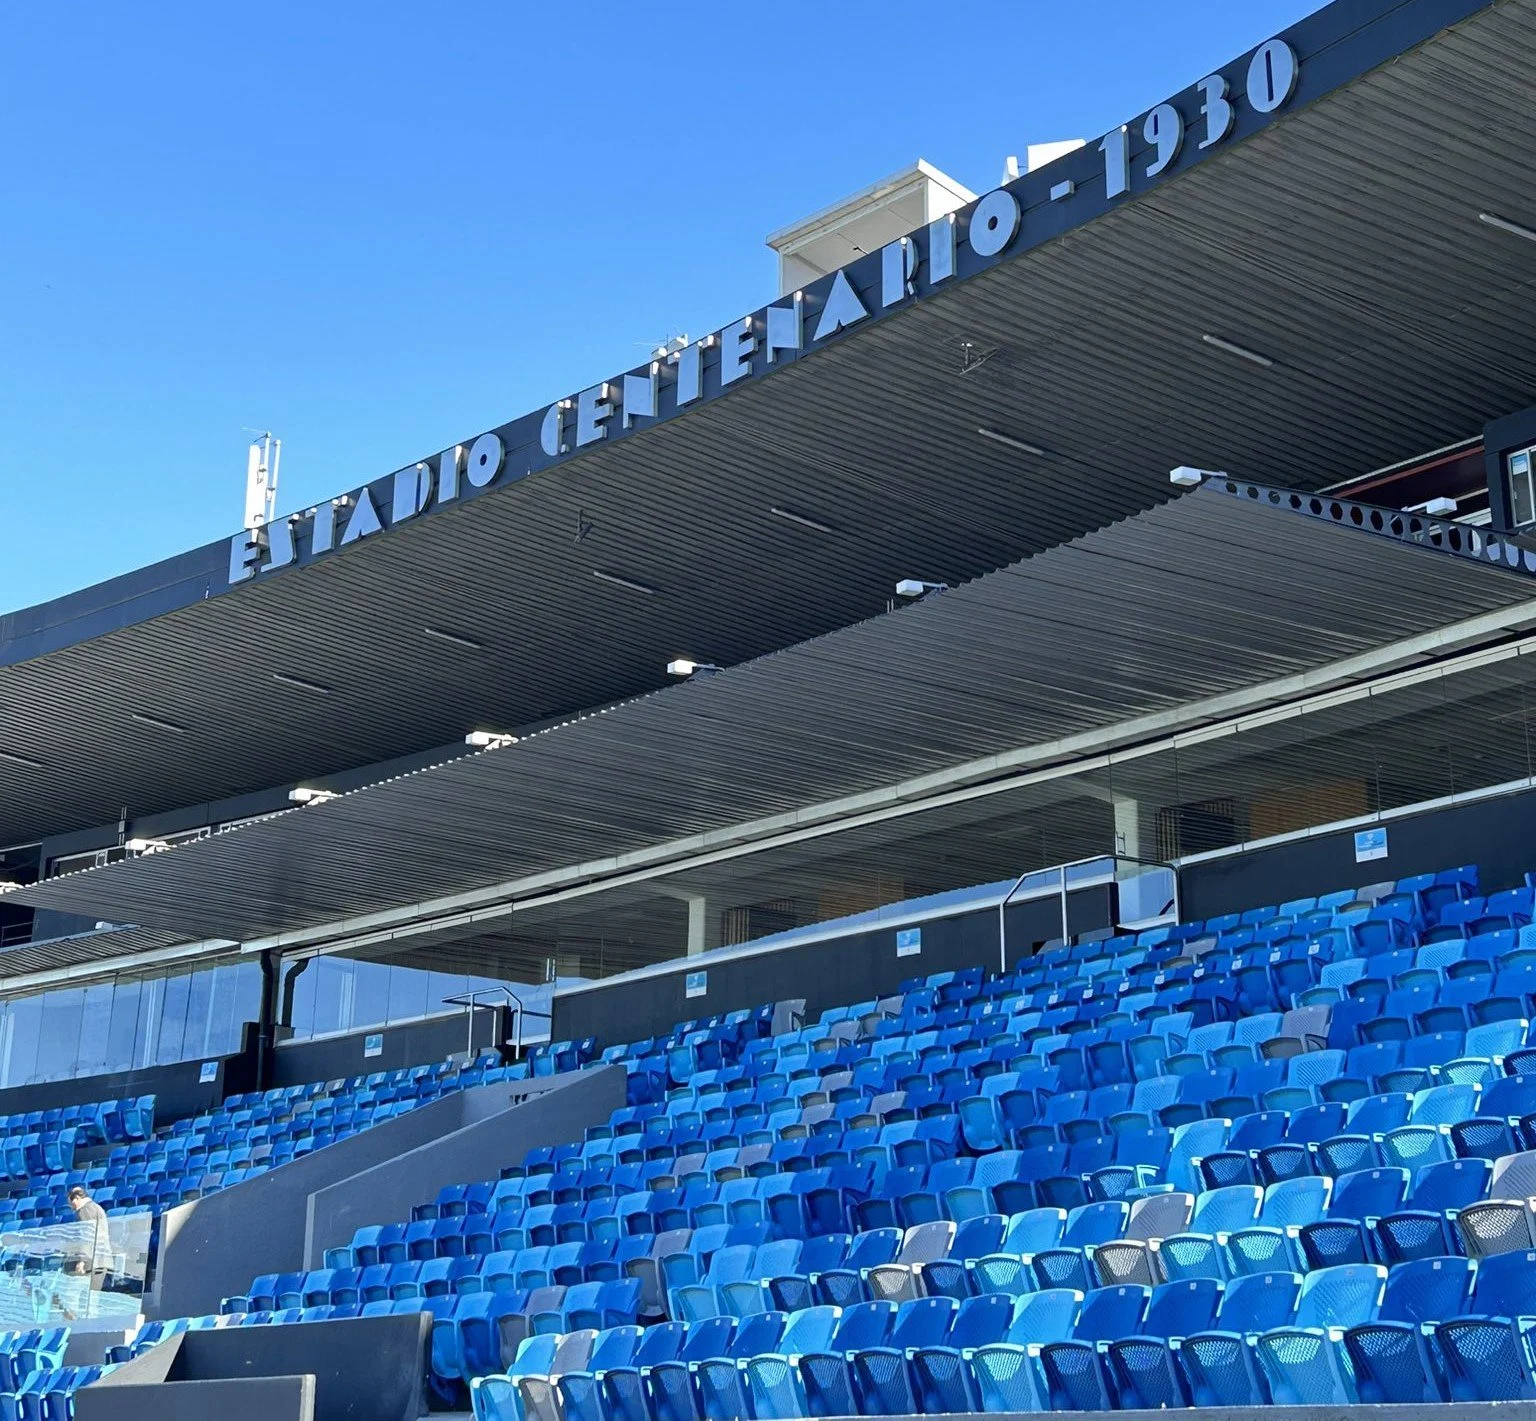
{"points": [[385, 1193], [213, 1247], [853, 966], [177, 1090], [407, 1044], [1496, 834], [243, 1399], [358, 1369]]}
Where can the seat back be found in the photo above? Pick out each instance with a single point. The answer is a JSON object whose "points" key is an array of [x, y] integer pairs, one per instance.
{"points": [[1257, 1302], [1341, 1296], [1047, 1316], [1428, 1290]]}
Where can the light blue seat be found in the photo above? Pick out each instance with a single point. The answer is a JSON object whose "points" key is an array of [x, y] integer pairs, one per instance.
{"points": [[771, 1380], [1303, 1363], [1074, 1375], [1005, 1375], [1388, 1357], [1219, 1366]]}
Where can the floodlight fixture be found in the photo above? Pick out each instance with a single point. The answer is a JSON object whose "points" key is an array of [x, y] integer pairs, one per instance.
{"points": [[304, 794], [489, 739]]}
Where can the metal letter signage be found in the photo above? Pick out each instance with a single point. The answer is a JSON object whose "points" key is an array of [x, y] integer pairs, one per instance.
{"points": [[1133, 156]]}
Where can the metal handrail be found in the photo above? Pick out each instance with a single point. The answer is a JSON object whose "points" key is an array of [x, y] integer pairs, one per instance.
{"points": [[1113, 860], [470, 1000]]}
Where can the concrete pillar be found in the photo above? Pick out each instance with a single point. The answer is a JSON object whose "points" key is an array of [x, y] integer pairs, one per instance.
{"points": [[698, 923], [1128, 828]]}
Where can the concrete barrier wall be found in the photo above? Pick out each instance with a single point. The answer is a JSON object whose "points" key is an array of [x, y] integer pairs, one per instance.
{"points": [[1463, 1411], [358, 1369], [242, 1399], [386, 1193], [211, 1249]]}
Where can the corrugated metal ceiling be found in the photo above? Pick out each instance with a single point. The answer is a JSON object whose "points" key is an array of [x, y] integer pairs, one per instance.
{"points": [[1228, 588]]}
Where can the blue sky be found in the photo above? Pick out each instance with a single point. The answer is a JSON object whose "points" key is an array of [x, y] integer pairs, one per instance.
{"points": [[377, 229]]}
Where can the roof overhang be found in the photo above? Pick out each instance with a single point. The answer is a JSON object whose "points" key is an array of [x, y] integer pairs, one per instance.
{"points": [[1226, 600], [1337, 237]]}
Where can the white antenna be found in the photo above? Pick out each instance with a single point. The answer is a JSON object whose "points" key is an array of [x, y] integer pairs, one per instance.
{"points": [[261, 480]]}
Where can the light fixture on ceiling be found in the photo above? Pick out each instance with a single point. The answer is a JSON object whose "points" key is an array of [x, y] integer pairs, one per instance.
{"points": [[15, 758], [454, 638], [628, 583], [912, 587], [998, 437], [1186, 476], [489, 739], [1441, 507], [300, 683], [1515, 229], [682, 666], [157, 722], [790, 516], [1240, 351], [305, 795]]}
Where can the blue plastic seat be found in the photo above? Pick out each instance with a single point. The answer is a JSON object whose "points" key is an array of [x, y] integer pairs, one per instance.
{"points": [[824, 1382], [882, 1382], [789, 1292], [1302, 1363], [1074, 1377], [1425, 1228], [1004, 1375], [978, 1237], [941, 1375], [770, 1381], [623, 1393], [1485, 1359], [1143, 1371], [1388, 1357], [581, 1391]]}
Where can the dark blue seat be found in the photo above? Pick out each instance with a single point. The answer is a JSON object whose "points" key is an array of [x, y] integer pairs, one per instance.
{"points": [[1389, 1357], [1074, 1379], [1142, 1371], [1425, 1228], [882, 1383], [942, 1379]]}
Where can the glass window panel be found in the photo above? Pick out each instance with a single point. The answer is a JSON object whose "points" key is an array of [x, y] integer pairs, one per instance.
{"points": [[301, 1018], [58, 1047], [1487, 724], [444, 984], [236, 1000], [26, 1019], [407, 993], [95, 1030], [173, 1020], [147, 1038], [370, 994], [221, 1011], [1522, 488], [123, 1030], [199, 1004], [333, 994]]}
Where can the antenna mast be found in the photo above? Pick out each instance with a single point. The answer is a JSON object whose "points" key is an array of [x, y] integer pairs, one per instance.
{"points": [[261, 480]]}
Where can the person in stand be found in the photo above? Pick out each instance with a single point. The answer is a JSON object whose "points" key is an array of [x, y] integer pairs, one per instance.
{"points": [[94, 1258]]}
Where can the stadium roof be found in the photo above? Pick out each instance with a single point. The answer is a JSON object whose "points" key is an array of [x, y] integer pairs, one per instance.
{"points": [[1227, 599], [1337, 239]]}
